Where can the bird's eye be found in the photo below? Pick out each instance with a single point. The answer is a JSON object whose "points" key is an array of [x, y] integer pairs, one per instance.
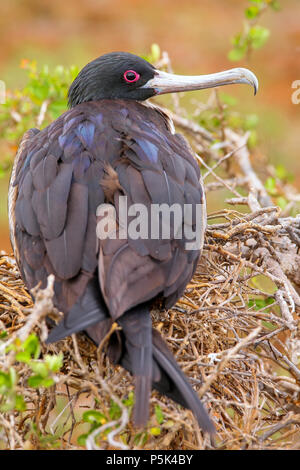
{"points": [[131, 76]]}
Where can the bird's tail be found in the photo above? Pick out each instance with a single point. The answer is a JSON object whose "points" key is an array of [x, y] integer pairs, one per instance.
{"points": [[144, 353], [139, 349], [171, 381], [137, 330]]}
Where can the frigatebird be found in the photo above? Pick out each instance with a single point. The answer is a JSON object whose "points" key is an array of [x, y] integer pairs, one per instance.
{"points": [[111, 143]]}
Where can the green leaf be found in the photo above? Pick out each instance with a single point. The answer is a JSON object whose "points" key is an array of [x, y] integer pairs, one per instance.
{"points": [[94, 416], [230, 412], [47, 382], [159, 414], [237, 54], [5, 383], [238, 40], [114, 411], [23, 357], [59, 70], [36, 381], [269, 325], [258, 36], [169, 424], [155, 431], [57, 108], [260, 303], [281, 172], [270, 186], [129, 402], [81, 440], [39, 368], [20, 404], [9, 404], [251, 121], [32, 346], [281, 202], [54, 362], [252, 12], [155, 52], [275, 5], [8, 380], [141, 438], [252, 141], [13, 378], [228, 99]]}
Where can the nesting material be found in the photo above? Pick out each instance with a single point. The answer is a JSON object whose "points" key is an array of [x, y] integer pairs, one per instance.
{"points": [[235, 333]]}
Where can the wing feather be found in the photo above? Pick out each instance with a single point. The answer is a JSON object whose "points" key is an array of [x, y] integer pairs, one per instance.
{"points": [[54, 195]]}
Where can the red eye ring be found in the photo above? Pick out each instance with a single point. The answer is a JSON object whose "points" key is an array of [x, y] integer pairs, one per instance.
{"points": [[133, 79]]}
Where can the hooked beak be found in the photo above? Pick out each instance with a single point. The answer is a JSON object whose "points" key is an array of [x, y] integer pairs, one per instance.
{"points": [[164, 82]]}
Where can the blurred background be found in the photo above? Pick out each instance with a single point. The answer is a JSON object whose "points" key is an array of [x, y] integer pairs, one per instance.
{"points": [[196, 34]]}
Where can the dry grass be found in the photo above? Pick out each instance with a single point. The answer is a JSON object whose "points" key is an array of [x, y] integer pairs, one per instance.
{"points": [[241, 359]]}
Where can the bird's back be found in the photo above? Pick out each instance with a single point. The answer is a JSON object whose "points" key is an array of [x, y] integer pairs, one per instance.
{"points": [[91, 155], [90, 158]]}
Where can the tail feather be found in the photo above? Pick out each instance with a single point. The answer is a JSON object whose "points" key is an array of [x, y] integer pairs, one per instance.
{"points": [[147, 357], [89, 310], [139, 349], [174, 383], [137, 329]]}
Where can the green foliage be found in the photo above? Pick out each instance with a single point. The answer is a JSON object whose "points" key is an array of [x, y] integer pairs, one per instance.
{"points": [[159, 414], [274, 185], [262, 303], [270, 186], [154, 54], [155, 431], [211, 118], [44, 370], [44, 441], [258, 303], [9, 398], [41, 101], [41, 372], [253, 36], [28, 350], [231, 412], [95, 419], [114, 411]]}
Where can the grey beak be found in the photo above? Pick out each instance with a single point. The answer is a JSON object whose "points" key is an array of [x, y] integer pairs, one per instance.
{"points": [[164, 82]]}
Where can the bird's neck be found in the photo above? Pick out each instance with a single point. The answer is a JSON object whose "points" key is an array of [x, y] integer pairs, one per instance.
{"points": [[164, 112]]}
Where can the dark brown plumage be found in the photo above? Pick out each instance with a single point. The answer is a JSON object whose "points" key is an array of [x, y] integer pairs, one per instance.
{"points": [[95, 152]]}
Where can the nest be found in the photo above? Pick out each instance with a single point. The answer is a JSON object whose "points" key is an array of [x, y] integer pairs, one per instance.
{"points": [[235, 333]]}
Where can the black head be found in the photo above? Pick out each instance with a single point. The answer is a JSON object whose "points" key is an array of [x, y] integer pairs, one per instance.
{"points": [[111, 76], [120, 75]]}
